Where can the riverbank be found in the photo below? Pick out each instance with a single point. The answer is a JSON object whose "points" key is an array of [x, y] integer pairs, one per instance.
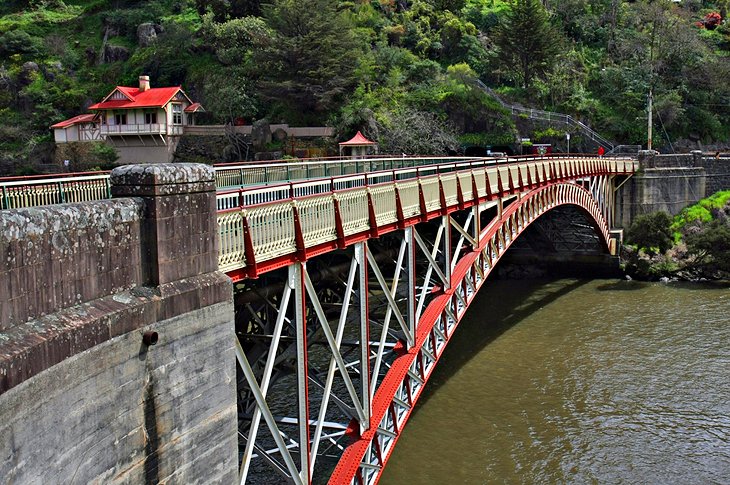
{"points": [[677, 264], [692, 246]]}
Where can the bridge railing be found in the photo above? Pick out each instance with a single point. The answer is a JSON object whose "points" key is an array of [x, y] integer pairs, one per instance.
{"points": [[43, 190], [295, 217], [35, 191], [17, 192]]}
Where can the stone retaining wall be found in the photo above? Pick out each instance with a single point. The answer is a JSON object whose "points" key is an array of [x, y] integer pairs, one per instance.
{"points": [[83, 398], [58, 256], [670, 183]]}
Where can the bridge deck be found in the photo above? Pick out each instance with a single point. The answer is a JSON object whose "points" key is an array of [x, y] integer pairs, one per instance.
{"points": [[264, 228]]}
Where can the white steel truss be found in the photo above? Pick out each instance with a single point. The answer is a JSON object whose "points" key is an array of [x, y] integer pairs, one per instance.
{"points": [[358, 373]]}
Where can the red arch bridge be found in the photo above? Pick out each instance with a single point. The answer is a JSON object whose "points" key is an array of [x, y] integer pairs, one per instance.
{"points": [[351, 276], [348, 289]]}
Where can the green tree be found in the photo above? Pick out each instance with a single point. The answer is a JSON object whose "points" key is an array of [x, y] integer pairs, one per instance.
{"points": [[526, 40], [309, 66], [228, 9], [651, 232], [711, 245]]}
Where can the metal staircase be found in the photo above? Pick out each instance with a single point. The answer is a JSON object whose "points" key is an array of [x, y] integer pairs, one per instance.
{"points": [[536, 114]]}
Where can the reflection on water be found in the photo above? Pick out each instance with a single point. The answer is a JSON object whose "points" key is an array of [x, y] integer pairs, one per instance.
{"points": [[580, 382]]}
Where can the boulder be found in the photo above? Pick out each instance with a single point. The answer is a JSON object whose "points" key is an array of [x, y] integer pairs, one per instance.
{"points": [[260, 134], [279, 135], [147, 33], [115, 53]]}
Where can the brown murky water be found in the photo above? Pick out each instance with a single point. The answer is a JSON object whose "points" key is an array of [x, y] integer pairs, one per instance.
{"points": [[578, 382]]}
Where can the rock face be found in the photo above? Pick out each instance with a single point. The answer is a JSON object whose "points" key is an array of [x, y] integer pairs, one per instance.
{"points": [[279, 135], [260, 134], [114, 53], [147, 34]]}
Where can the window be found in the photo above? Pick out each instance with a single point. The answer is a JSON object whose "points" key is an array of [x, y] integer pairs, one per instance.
{"points": [[150, 118], [177, 114], [120, 119]]}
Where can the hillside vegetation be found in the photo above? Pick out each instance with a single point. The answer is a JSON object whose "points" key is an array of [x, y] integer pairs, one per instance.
{"points": [[693, 245], [402, 71]]}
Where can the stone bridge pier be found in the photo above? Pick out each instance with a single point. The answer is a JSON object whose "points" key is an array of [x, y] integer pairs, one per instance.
{"points": [[117, 362], [670, 183]]}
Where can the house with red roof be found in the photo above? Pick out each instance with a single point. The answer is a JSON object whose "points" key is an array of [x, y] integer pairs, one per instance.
{"points": [[143, 123], [79, 128]]}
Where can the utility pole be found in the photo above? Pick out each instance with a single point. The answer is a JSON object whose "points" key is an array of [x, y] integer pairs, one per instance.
{"points": [[649, 118]]}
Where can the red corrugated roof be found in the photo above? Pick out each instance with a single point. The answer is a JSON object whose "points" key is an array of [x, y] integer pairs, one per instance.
{"points": [[357, 140], [193, 108], [86, 118], [152, 98]]}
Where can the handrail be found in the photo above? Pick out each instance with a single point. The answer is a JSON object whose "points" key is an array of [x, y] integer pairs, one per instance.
{"points": [[250, 196], [16, 192], [547, 116], [30, 192], [260, 225], [624, 150]]}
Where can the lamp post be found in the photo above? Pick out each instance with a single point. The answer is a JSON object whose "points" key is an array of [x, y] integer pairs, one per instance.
{"points": [[567, 137]]}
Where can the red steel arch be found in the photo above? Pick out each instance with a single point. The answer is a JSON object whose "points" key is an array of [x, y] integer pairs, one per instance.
{"points": [[362, 461]]}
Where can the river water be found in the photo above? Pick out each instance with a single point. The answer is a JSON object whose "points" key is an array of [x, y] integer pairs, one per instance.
{"points": [[575, 381]]}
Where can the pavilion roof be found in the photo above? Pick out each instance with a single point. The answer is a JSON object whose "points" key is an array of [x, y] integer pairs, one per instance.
{"points": [[357, 140]]}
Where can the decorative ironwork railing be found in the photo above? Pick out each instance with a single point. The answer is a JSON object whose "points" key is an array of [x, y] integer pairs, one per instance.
{"points": [[273, 215], [33, 191], [261, 225]]}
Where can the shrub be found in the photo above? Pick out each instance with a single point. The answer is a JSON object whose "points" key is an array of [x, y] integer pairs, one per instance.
{"points": [[651, 232], [701, 212], [711, 246]]}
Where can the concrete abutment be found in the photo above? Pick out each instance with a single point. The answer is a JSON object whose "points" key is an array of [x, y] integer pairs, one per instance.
{"points": [[82, 398], [669, 183]]}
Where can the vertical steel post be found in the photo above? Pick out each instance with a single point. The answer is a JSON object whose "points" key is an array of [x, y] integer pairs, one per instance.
{"points": [[411, 281], [296, 276], [361, 258], [477, 226], [446, 222]]}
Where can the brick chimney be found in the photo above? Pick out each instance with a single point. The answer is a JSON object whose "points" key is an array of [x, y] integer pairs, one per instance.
{"points": [[144, 83]]}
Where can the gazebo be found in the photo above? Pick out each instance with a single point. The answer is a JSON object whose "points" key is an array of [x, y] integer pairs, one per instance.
{"points": [[359, 146]]}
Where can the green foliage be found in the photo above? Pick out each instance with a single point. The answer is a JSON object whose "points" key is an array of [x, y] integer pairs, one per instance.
{"points": [[485, 15], [651, 232], [527, 41], [19, 42], [711, 245], [308, 67], [701, 212], [486, 139], [105, 154], [234, 40], [360, 64], [547, 133]]}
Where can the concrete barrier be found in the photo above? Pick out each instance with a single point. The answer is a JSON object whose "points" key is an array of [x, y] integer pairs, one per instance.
{"points": [[86, 288]]}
